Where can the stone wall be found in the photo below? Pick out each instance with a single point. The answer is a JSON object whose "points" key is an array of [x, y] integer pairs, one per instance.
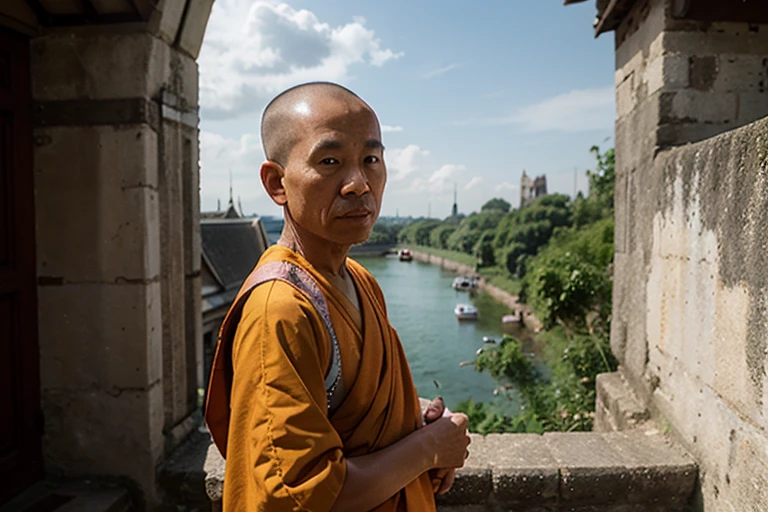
{"points": [[706, 308], [116, 184], [690, 303]]}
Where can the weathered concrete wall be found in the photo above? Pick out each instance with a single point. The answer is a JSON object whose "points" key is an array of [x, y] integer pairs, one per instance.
{"points": [[676, 82], [690, 324], [706, 311], [116, 184]]}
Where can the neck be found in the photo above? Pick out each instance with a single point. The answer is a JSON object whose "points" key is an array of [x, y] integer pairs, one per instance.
{"points": [[328, 258]]}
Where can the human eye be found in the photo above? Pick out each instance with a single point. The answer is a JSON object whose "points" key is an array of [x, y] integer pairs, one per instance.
{"points": [[329, 161], [372, 159]]}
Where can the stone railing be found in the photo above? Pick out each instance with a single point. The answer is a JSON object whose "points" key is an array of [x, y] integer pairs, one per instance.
{"points": [[633, 471]]}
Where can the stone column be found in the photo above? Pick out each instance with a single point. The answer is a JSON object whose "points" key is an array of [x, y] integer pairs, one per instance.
{"points": [[677, 81], [116, 182]]}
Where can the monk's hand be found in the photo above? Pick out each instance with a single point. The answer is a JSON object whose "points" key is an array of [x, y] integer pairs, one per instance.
{"points": [[442, 479], [449, 440], [435, 410]]}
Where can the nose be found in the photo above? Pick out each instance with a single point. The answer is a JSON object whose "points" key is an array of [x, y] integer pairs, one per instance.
{"points": [[356, 182]]}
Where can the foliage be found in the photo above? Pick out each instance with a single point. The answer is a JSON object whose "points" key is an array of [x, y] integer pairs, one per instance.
{"points": [[564, 400], [471, 228], [564, 253], [599, 204], [497, 204], [384, 233], [418, 233], [439, 236]]}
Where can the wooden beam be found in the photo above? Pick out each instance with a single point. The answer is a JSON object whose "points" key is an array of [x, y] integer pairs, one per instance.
{"points": [[680, 8], [613, 14], [89, 10], [744, 11], [602, 25], [144, 8], [43, 16]]}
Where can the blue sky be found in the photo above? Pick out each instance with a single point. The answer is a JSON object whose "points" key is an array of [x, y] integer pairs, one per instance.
{"points": [[469, 94]]}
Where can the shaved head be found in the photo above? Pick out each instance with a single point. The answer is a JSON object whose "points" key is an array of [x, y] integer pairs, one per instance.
{"points": [[280, 123]]}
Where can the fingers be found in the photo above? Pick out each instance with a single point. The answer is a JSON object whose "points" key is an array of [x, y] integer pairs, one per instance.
{"points": [[435, 410], [447, 482], [460, 419]]}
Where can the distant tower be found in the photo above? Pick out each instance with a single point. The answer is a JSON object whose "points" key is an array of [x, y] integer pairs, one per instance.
{"points": [[231, 198], [218, 205], [455, 210], [526, 189], [540, 186]]}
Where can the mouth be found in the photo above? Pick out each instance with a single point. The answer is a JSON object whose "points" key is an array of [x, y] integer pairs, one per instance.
{"points": [[359, 213]]}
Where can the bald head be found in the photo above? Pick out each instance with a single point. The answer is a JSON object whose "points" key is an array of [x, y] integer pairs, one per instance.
{"points": [[282, 119]]}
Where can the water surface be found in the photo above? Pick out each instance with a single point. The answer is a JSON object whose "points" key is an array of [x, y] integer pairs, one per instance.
{"points": [[420, 304]]}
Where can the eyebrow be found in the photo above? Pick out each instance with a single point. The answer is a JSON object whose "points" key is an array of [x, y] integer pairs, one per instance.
{"points": [[374, 144], [327, 144]]}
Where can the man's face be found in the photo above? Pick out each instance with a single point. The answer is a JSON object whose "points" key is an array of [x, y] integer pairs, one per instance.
{"points": [[335, 174]]}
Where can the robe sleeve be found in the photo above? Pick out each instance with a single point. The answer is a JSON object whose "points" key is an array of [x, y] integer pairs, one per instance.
{"points": [[286, 453]]}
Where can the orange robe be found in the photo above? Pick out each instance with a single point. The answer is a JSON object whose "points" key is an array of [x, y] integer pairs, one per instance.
{"points": [[267, 402]]}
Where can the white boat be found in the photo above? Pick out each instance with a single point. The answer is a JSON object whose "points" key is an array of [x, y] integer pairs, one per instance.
{"points": [[465, 312], [405, 255], [464, 284]]}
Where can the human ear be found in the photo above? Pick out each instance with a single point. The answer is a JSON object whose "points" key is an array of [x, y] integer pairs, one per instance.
{"points": [[272, 178]]}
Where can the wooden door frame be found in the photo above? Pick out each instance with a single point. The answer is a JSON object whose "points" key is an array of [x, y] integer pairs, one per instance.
{"points": [[23, 277]]}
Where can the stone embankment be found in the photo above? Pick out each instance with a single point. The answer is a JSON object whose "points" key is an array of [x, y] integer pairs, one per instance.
{"points": [[633, 471], [530, 320]]}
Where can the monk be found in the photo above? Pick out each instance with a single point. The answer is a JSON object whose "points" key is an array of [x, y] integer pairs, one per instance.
{"points": [[292, 441]]}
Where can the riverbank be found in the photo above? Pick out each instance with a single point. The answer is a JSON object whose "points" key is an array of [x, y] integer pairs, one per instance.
{"points": [[509, 300]]}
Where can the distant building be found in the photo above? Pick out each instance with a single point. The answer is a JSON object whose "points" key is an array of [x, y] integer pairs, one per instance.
{"points": [[230, 249], [531, 189], [273, 226]]}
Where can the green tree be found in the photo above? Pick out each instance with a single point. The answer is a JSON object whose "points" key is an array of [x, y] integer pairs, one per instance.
{"points": [[496, 204], [471, 228], [418, 232], [439, 236]]}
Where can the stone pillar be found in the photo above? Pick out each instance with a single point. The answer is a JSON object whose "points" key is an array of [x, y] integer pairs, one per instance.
{"points": [[677, 81], [116, 183]]}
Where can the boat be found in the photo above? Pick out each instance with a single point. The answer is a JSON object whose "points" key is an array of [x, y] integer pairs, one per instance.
{"points": [[465, 312], [405, 255], [464, 284]]}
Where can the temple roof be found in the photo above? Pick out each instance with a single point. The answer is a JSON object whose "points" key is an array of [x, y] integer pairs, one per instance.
{"points": [[231, 248]]}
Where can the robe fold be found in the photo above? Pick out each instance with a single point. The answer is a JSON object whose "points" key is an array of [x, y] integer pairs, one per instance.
{"points": [[267, 409]]}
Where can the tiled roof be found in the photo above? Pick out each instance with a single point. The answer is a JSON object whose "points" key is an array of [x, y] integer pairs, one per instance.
{"points": [[231, 247]]}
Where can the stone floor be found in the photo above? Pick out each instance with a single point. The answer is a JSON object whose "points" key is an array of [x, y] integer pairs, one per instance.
{"points": [[81, 496]]}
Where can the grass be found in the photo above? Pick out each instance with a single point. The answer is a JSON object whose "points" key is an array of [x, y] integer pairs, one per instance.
{"points": [[496, 276], [458, 257]]}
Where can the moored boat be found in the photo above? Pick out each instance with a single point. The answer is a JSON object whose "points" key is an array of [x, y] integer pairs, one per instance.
{"points": [[464, 284], [405, 255], [465, 312]]}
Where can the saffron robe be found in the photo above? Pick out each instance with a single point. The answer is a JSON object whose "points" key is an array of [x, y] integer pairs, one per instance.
{"points": [[267, 408]]}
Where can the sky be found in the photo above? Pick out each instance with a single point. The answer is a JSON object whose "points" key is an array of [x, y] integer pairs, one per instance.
{"points": [[469, 94]]}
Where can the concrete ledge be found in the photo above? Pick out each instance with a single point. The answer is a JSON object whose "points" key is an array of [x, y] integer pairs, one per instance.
{"points": [[608, 472], [617, 407]]}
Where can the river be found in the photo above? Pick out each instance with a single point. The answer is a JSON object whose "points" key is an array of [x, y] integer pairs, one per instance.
{"points": [[420, 304]]}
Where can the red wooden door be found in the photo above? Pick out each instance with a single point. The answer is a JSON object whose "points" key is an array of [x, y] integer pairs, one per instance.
{"points": [[20, 432]]}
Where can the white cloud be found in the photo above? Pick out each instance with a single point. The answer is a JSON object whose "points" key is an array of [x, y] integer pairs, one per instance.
{"points": [[385, 128], [505, 186], [404, 161], [474, 182], [255, 49], [440, 71], [446, 173], [576, 111], [218, 156]]}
